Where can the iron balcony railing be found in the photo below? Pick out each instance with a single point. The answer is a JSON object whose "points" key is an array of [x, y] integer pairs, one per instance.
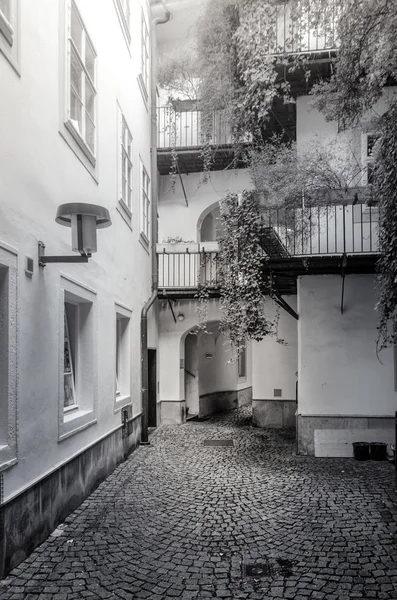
{"points": [[314, 231], [186, 270], [308, 34], [183, 129], [323, 230]]}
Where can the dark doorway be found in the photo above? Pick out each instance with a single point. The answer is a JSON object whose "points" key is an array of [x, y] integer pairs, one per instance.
{"points": [[152, 389]]}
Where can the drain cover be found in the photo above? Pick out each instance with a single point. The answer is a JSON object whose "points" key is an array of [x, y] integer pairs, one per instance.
{"points": [[258, 570], [218, 443]]}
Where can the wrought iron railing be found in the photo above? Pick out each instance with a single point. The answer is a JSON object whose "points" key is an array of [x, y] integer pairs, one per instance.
{"points": [[319, 231], [292, 36], [187, 269], [183, 129], [329, 229]]}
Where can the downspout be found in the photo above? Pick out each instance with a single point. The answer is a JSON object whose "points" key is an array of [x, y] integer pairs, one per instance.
{"points": [[154, 191]]}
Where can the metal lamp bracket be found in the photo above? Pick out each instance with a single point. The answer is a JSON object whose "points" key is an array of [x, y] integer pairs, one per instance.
{"points": [[43, 260]]}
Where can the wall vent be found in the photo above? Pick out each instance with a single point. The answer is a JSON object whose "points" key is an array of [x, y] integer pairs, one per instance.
{"points": [[29, 265], [209, 355], [277, 393]]}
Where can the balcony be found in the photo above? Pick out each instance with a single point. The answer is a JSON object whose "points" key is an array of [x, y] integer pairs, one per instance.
{"points": [[333, 239], [293, 37], [181, 131]]}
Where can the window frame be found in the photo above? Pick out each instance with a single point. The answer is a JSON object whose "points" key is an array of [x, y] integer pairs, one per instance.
{"points": [[8, 356], [84, 412], [146, 202], [71, 48], [122, 356], [144, 75], [125, 19], [126, 159], [10, 35]]}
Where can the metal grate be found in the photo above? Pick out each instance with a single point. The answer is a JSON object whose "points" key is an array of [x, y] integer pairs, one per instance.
{"points": [[258, 570], [218, 443], [280, 566]]}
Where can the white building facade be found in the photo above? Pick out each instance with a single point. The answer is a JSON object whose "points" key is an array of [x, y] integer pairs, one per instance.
{"points": [[75, 120]]}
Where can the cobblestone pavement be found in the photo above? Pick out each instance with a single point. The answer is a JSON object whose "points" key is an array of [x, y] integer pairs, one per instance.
{"points": [[254, 521]]}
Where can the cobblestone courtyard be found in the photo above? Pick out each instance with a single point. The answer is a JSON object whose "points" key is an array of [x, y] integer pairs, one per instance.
{"points": [[181, 520]]}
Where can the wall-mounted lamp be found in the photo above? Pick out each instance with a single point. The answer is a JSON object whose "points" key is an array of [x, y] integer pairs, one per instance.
{"points": [[181, 317], [84, 220]]}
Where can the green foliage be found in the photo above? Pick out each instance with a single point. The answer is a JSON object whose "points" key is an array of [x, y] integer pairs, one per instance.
{"points": [[386, 191], [240, 270]]}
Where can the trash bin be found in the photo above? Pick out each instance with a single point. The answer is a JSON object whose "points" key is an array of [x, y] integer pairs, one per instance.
{"points": [[361, 450], [378, 450]]}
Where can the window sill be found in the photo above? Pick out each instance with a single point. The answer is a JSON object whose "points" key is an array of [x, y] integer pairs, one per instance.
{"points": [[124, 212], [70, 409], [120, 402], [80, 142], [145, 243]]}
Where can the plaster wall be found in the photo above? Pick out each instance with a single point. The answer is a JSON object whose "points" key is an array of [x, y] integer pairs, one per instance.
{"points": [[39, 170], [339, 373], [312, 130], [274, 367], [176, 219]]}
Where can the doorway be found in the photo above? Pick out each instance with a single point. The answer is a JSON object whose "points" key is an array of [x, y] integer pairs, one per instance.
{"points": [[152, 387]]}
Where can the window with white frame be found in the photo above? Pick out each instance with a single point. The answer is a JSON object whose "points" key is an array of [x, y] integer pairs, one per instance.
{"points": [[145, 55], [123, 355], [145, 203], [8, 356], [124, 12], [78, 389], [126, 164], [82, 83]]}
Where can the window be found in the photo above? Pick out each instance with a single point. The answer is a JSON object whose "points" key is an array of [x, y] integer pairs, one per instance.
{"points": [[124, 14], [242, 360], [82, 78], [69, 356], [8, 356], [123, 355], [126, 164], [370, 140], [9, 31], [145, 204], [144, 76], [78, 348]]}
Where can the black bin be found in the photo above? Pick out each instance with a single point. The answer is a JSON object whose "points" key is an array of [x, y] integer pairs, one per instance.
{"points": [[361, 450], [378, 450]]}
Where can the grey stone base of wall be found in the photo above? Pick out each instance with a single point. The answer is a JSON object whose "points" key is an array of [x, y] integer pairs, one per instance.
{"points": [[307, 425], [172, 412], [275, 414], [244, 397], [32, 516]]}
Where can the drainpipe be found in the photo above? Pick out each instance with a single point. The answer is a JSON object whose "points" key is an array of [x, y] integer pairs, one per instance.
{"points": [[154, 189]]}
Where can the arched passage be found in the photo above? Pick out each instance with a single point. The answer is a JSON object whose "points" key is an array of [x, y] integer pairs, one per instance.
{"points": [[208, 224]]}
